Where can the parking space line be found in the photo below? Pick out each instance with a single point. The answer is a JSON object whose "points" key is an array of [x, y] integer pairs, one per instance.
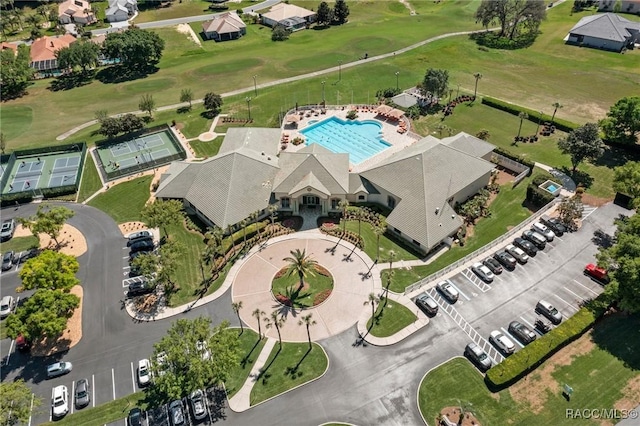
{"points": [[516, 341], [51, 409], [576, 295], [73, 394], [133, 380], [459, 291], [568, 305], [113, 383], [528, 323], [33, 396], [93, 389], [471, 276], [585, 287], [559, 238], [10, 352], [125, 257]]}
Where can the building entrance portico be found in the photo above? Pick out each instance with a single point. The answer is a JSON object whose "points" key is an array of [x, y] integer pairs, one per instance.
{"points": [[310, 200]]}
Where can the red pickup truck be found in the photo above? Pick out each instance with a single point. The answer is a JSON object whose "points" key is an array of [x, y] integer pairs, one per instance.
{"points": [[597, 272]]}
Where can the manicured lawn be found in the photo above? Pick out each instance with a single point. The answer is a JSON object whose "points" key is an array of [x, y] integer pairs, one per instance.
{"points": [[102, 414], [288, 285], [123, 202], [506, 211], [19, 244], [3, 330], [15, 122], [288, 368], [207, 149], [386, 244], [599, 374], [180, 9], [390, 319], [250, 348], [90, 182]]}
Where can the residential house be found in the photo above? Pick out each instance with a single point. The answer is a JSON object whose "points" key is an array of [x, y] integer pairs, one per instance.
{"points": [[75, 12], [420, 184], [290, 16], [624, 6], [606, 31], [43, 52], [121, 10], [9, 46], [226, 26]]}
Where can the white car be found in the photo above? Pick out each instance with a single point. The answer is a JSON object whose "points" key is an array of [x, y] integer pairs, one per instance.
{"points": [[203, 349], [447, 289], [161, 360], [544, 230], [483, 272], [144, 372], [7, 303], [503, 343], [59, 401]]}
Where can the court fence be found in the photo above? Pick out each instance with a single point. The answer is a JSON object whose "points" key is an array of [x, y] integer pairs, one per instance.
{"points": [[57, 191], [147, 165]]}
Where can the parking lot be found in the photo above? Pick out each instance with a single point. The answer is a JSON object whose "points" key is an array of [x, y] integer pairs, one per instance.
{"points": [[554, 274]]}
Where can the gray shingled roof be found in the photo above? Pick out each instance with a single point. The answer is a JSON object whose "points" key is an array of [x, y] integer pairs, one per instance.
{"points": [[422, 177], [177, 180], [359, 184], [255, 138], [331, 170], [405, 100], [607, 26], [469, 144]]}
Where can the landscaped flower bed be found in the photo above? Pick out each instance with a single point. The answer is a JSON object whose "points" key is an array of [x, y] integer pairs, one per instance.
{"points": [[316, 288]]}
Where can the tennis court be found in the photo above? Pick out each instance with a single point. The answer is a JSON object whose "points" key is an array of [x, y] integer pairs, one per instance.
{"points": [[139, 153], [40, 171]]}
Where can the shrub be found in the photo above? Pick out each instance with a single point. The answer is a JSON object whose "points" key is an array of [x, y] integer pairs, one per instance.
{"points": [[281, 273], [321, 297], [283, 299], [352, 114], [514, 157], [322, 271], [541, 177], [531, 356], [564, 125], [538, 196]]}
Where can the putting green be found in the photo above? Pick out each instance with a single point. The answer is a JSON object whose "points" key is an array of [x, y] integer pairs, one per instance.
{"points": [[16, 120]]}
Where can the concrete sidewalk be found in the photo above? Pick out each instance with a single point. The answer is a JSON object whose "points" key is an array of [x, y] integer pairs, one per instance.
{"points": [[241, 401]]}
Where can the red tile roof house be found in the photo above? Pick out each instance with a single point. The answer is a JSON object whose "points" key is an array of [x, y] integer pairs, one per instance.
{"points": [[43, 52], [226, 26], [11, 46], [75, 11]]}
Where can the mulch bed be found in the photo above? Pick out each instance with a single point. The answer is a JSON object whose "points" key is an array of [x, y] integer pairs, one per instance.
{"points": [[453, 414]]}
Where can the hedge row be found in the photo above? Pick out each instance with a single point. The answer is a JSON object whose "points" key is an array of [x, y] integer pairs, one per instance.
{"points": [[238, 236], [564, 125], [528, 163], [25, 197], [534, 354]]}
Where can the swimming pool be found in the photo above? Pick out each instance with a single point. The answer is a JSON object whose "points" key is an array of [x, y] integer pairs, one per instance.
{"points": [[360, 139]]}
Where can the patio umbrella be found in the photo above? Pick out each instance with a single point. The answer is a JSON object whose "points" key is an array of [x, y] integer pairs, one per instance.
{"points": [[293, 118]]}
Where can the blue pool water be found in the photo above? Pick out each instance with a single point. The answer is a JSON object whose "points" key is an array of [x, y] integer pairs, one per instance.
{"points": [[359, 139], [552, 188]]}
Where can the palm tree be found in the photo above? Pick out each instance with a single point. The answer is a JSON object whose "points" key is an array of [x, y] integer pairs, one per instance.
{"points": [[33, 20], [277, 323], [522, 116], [359, 213], [243, 224], [253, 217], [300, 264], [214, 233], [236, 308], [441, 127], [373, 300], [379, 230], [556, 106], [258, 314], [343, 205], [390, 276], [272, 209], [392, 257], [233, 243], [477, 76], [308, 322]]}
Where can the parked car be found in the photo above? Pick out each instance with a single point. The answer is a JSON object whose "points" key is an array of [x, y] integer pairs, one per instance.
{"points": [[493, 264], [139, 288], [146, 234], [554, 224], [28, 254], [536, 238], [448, 291], [526, 246], [478, 356], [144, 372], [22, 343], [549, 311], [7, 260], [541, 326], [144, 245], [176, 413], [520, 255], [161, 362], [482, 271], [522, 332], [506, 259], [544, 230], [502, 342], [82, 393], [7, 229], [198, 406], [7, 303], [59, 401], [427, 304], [135, 417], [58, 369], [597, 272], [203, 350]]}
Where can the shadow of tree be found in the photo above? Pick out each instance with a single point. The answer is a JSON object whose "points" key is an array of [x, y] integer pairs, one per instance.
{"points": [[244, 361], [263, 375], [120, 73], [581, 178], [614, 157], [619, 335], [295, 372], [71, 81]]}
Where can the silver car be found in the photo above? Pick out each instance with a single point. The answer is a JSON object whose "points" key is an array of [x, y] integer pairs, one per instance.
{"points": [[198, 406], [7, 229], [502, 342], [483, 272], [518, 253], [82, 395], [448, 291], [6, 306], [544, 230], [58, 369]]}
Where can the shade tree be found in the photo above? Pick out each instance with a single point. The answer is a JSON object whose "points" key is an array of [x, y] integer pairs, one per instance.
{"points": [[622, 124], [626, 180], [17, 402], [582, 144], [48, 220], [50, 270]]}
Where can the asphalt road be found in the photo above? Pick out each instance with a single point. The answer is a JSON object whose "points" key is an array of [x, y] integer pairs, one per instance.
{"points": [[364, 385]]}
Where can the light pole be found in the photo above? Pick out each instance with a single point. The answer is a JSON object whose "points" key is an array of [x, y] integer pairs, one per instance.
{"points": [[339, 69], [323, 101], [397, 82], [255, 85], [249, 106]]}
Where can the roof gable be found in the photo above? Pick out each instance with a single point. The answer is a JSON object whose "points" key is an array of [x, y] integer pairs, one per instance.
{"points": [[283, 11], [331, 170], [225, 23], [44, 48], [607, 26]]}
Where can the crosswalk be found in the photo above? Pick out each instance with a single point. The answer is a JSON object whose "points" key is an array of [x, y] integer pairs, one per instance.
{"points": [[587, 211], [476, 281]]}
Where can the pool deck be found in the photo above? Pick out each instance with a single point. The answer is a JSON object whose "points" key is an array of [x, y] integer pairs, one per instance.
{"points": [[390, 134]]}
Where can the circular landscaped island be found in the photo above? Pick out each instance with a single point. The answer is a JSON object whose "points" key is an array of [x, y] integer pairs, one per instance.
{"points": [[316, 287]]}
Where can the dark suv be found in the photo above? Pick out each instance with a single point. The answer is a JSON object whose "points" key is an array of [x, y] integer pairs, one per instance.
{"points": [[506, 259], [139, 288], [522, 332], [427, 304], [142, 245], [493, 265], [554, 224], [526, 246]]}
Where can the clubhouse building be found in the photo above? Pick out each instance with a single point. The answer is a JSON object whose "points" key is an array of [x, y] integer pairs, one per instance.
{"points": [[420, 183]]}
